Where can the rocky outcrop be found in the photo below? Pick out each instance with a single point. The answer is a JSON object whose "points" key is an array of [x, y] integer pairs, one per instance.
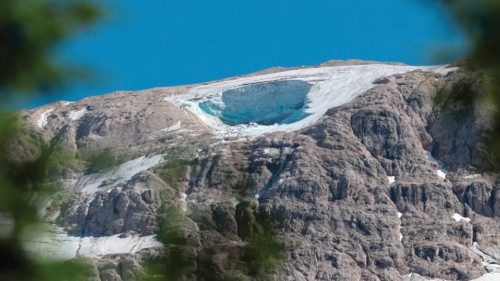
{"points": [[461, 126], [481, 196], [354, 196]]}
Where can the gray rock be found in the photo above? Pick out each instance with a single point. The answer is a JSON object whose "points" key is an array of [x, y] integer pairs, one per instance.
{"points": [[323, 190]]}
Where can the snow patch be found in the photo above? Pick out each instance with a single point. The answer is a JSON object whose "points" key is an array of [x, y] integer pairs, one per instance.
{"points": [[77, 114], [283, 101], [273, 152], [117, 175], [416, 277], [172, 128], [400, 234], [489, 262], [391, 179], [61, 246], [493, 267], [183, 202], [441, 171], [492, 276], [42, 120], [458, 217], [472, 176]]}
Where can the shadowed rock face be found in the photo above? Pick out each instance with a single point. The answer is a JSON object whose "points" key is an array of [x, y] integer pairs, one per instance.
{"points": [[323, 189]]}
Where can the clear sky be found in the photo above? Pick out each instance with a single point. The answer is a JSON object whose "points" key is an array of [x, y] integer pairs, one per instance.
{"points": [[145, 44]]}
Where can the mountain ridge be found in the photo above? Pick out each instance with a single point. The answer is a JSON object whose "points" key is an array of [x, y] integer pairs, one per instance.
{"points": [[355, 194]]}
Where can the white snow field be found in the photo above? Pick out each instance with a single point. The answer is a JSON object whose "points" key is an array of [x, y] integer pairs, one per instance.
{"points": [[58, 245], [77, 114], [490, 263], [117, 175], [492, 276], [42, 120], [283, 101]]}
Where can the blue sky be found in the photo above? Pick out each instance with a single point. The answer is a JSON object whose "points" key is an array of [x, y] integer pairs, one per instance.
{"points": [[145, 44]]}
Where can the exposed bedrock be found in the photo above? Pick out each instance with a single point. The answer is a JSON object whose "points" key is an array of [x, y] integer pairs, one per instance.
{"points": [[131, 209], [460, 129], [481, 196], [354, 196]]}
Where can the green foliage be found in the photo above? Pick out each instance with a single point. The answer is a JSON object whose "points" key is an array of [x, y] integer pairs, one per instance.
{"points": [[69, 270], [173, 233], [24, 184], [263, 254], [101, 160], [29, 33], [174, 171], [255, 257], [463, 93], [441, 97], [30, 30], [173, 227], [480, 21]]}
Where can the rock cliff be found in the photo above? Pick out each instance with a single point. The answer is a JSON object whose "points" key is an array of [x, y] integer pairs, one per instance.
{"points": [[356, 170]]}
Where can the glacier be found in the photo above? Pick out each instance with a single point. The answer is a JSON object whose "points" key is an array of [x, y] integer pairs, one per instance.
{"points": [[283, 101], [116, 175], [277, 102]]}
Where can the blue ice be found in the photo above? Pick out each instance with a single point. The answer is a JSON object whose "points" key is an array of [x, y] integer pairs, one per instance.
{"points": [[277, 102]]}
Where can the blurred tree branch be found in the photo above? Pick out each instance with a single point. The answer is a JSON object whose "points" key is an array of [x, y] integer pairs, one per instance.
{"points": [[30, 31], [480, 21]]}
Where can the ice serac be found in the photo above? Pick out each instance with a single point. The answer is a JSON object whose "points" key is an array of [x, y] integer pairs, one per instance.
{"points": [[277, 102], [353, 165]]}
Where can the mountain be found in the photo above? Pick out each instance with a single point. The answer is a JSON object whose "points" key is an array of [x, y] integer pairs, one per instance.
{"points": [[349, 170]]}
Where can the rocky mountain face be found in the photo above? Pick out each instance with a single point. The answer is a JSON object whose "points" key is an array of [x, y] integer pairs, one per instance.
{"points": [[384, 178]]}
